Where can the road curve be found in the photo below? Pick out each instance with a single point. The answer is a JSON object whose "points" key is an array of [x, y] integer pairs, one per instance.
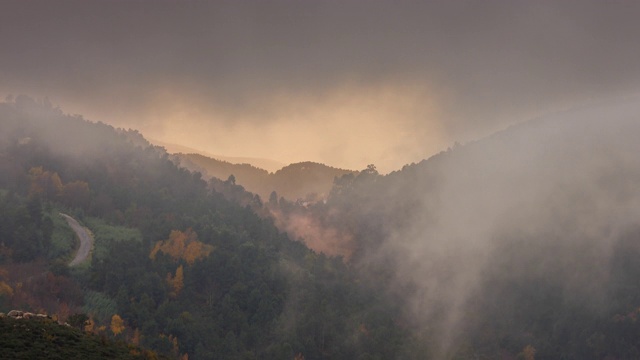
{"points": [[86, 240]]}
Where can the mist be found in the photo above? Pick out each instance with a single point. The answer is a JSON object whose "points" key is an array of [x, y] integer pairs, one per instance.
{"points": [[533, 211], [547, 201], [346, 84]]}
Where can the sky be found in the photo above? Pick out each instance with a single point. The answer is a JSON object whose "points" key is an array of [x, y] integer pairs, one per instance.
{"points": [[345, 83]]}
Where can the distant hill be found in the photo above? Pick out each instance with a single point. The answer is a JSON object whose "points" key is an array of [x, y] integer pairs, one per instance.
{"points": [[262, 163], [305, 180], [519, 244]]}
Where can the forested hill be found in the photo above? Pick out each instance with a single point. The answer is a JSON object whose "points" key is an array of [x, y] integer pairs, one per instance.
{"points": [[306, 180], [176, 267], [521, 244]]}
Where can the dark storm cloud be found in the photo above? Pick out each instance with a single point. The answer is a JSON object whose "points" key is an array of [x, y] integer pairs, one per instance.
{"points": [[486, 63]]}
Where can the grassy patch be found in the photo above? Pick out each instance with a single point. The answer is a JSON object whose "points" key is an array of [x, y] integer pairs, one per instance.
{"points": [[99, 305], [63, 239], [105, 235]]}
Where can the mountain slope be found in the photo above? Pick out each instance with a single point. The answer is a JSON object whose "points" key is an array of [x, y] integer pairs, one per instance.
{"points": [[521, 241], [293, 182], [46, 339], [520, 245], [261, 163], [177, 267]]}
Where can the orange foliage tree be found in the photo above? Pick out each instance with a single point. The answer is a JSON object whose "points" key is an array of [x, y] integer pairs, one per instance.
{"points": [[182, 245], [5, 289], [117, 324], [89, 325], [528, 353], [44, 183], [176, 282]]}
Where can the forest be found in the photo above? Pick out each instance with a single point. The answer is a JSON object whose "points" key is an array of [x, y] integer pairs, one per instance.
{"points": [[189, 272], [522, 245]]}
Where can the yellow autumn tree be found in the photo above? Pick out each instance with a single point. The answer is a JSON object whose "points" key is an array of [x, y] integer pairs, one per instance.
{"points": [[174, 342], [528, 353], [196, 250], [45, 183], [182, 245], [89, 325], [176, 282], [117, 324], [5, 289]]}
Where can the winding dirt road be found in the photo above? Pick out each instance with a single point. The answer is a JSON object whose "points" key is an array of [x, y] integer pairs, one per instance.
{"points": [[86, 240]]}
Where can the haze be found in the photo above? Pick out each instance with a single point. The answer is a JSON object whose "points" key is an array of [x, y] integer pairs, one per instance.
{"points": [[342, 83]]}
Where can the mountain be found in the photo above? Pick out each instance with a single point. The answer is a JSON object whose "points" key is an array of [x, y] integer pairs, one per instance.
{"points": [[268, 164], [520, 244], [305, 180], [177, 267]]}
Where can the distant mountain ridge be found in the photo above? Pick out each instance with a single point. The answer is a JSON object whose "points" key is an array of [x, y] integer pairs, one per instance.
{"points": [[304, 180], [268, 164]]}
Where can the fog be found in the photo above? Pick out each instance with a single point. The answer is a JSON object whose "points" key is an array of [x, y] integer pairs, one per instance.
{"points": [[347, 84], [538, 212], [545, 201]]}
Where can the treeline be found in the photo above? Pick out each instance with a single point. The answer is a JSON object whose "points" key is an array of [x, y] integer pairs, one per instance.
{"points": [[307, 181]]}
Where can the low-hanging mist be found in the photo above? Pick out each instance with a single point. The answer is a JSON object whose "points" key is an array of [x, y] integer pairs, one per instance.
{"points": [[520, 245], [541, 208], [347, 84]]}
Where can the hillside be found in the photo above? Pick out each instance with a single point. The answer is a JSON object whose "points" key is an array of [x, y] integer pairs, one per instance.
{"points": [[520, 244], [305, 180], [26, 339], [261, 163], [177, 267]]}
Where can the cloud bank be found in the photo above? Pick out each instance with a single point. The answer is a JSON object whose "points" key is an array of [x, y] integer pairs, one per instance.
{"points": [[251, 78]]}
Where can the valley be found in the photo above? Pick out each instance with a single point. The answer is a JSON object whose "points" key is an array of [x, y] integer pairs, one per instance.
{"points": [[458, 256]]}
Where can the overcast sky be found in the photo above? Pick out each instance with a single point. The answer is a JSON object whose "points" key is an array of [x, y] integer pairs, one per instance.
{"points": [[347, 83]]}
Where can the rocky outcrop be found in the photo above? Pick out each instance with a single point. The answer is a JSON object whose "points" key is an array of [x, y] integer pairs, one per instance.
{"points": [[18, 314]]}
